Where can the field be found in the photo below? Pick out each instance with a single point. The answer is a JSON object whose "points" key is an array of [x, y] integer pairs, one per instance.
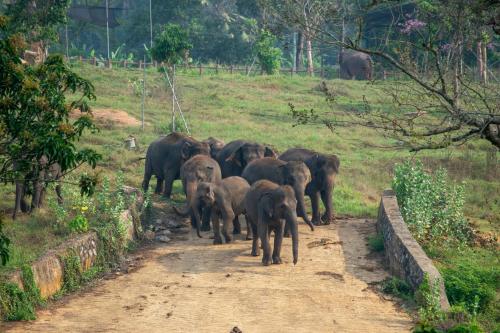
{"points": [[256, 108]]}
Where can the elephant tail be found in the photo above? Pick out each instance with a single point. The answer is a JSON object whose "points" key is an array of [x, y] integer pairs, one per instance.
{"points": [[190, 189]]}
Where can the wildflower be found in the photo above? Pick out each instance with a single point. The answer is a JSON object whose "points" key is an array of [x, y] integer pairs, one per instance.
{"points": [[412, 25]]}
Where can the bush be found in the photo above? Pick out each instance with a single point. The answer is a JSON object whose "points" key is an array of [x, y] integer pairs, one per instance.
{"points": [[431, 205], [172, 45], [269, 56], [376, 243]]}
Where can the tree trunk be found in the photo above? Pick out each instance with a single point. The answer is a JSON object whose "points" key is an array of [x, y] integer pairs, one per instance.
{"points": [[310, 65], [485, 63], [480, 65], [300, 51]]}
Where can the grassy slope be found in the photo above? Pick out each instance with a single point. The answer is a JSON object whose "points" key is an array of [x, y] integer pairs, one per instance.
{"points": [[233, 107]]}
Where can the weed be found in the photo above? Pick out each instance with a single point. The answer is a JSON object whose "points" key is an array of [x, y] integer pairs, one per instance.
{"points": [[72, 272], [376, 243], [398, 288]]}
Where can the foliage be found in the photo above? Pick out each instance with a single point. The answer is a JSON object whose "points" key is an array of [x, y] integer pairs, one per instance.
{"points": [[471, 284], [376, 243], [19, 304], [397, 287], [172, 45], [35, 115], [37, 19], [428, 299], [79, 224], [269, 56], [431, 205], [72, 272], [4, 246]]}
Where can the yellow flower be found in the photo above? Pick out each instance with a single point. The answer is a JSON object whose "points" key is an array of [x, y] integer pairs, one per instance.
{"points": [[84, 208]]}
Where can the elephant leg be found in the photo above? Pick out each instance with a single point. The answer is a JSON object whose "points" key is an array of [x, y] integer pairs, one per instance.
{"points": [[37, 194], [249, 230], [316, 220], [227, 218], [205, 218], [236, 226], [263, 231], [159, 185], [255, 240], [169, 182], [278, 239], [60, 199], [326, 197], [216, 227]]}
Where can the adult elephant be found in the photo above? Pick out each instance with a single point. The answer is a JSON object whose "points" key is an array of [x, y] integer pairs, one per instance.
{"points": [[293, 173], [199, 168], [216, 146], [324, 169], [165, 157], [236, 155], [35, 183], [355, 65], [268, 206]]}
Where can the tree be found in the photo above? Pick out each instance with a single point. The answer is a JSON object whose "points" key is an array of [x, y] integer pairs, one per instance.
{"points": [[172, 45], [447, 106], [269, 56], [309, 15]]}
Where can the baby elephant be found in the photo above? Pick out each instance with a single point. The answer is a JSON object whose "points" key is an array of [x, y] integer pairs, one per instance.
{"points": [[225, 199], [267, 204]]}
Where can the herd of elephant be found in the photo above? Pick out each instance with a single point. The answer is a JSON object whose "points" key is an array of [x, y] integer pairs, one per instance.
{"points": [[222, 181]]}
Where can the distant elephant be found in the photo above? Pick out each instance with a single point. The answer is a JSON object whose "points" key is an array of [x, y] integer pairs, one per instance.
{"points": [[216, 146], [355, 65], [197, 169], [268, 205], [35, 183], [324, 169], [293, 173], [235, 156], [226, 200], [165, 157]]}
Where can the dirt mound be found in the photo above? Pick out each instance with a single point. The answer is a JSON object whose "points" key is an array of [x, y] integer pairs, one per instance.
{"points": [[114, 117]]}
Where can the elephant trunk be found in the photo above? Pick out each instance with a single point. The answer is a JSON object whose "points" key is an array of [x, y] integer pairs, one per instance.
{"points": [[197, 218], [291, 220], [190, 194], [301, 205]]}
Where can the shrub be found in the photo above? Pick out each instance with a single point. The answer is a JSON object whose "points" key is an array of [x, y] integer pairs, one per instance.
{"points": [[397, 287], [269, 56], [376, 243], [172, 45], [431, 205]]}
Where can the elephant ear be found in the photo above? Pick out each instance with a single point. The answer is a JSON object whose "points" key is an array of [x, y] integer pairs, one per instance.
{"points": [[186, 150], [236, 157], [269, 152]]}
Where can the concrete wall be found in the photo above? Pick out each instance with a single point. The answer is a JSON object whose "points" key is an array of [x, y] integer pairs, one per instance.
{"points": [[405, 257]]}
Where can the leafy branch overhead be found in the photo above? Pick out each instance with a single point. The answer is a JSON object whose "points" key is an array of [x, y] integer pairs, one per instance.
{"points": [[441, 102], [35, 113], [172, 45]]}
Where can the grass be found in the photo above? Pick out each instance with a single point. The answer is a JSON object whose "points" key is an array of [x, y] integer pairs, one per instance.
{"points": [[256, 108]]}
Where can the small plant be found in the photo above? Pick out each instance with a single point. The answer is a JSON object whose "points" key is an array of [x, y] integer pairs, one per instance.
{"points": [[428, 299], [376, 243], [397, 287], [269, 56], [72, 272], [79, 224], [4, 246]]}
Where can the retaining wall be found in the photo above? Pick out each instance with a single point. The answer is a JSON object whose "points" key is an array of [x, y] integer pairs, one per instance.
{"points": [[406, 258]]}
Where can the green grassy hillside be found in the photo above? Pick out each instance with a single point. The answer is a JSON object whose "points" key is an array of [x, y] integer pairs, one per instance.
{"points": [[256, 108]]}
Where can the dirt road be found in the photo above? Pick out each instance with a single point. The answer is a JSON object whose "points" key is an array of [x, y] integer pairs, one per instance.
{"points": [[193, 286]]}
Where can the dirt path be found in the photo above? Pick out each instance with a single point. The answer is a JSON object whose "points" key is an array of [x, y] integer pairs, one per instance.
{"points": [[193, 286]]}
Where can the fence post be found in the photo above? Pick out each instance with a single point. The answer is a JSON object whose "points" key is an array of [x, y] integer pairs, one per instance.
{"points": [[110, 64], [384, 75], [200, 68], [156, 63], [216, 68], [231, 69], [246, 70], [93, 61], [80, 58], [291, 72], [140, 64]]}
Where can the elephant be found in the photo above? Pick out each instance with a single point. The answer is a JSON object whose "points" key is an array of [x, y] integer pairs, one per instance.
{"points": [[267, 206], [293, 173], [197, 169], [354, 64], [324, 169], [216, 146], [39, 177], [225, 199], [235, 156], [165, 157]]}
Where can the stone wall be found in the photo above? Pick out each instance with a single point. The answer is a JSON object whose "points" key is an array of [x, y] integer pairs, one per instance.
{"points": [[406, 259], [48, 270]]}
